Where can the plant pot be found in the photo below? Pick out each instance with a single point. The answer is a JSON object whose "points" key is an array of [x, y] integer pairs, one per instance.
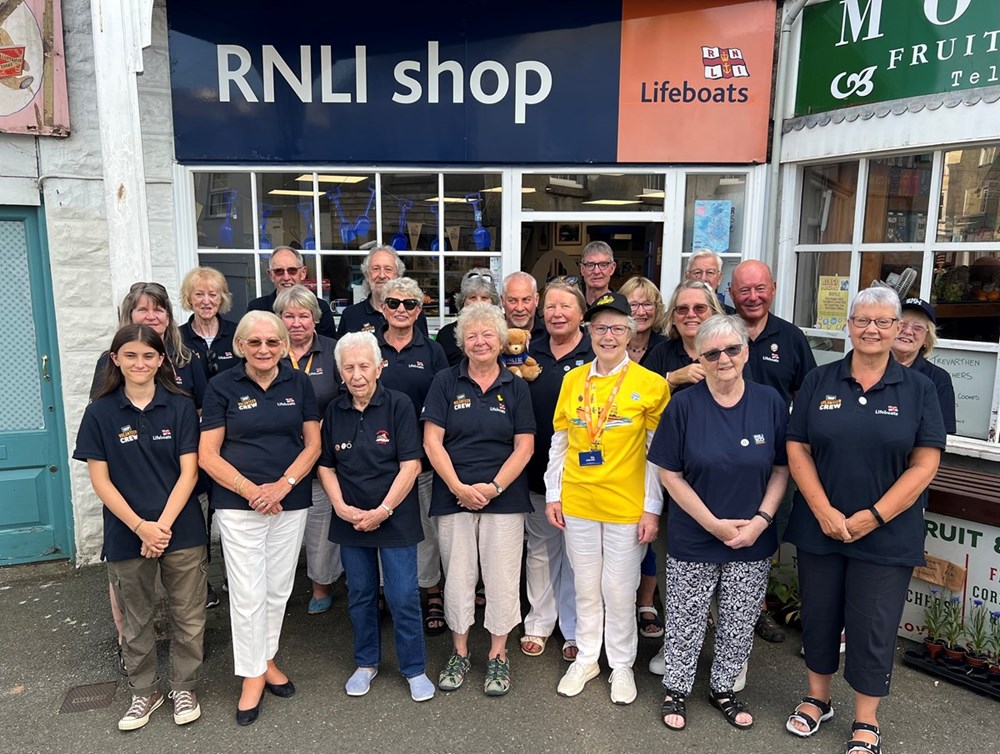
{"points": [[954, 655], [933, 647], [975, 661], [993, 673]]}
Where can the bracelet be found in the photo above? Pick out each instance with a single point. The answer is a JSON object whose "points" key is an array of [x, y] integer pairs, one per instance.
{"points": [[239, 486], [878, 516], [135, 530], [386, 508], [766, 516], [236, 479]]}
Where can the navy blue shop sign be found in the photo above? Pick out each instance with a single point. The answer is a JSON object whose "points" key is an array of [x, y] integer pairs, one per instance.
{"points": [[443, 82]]}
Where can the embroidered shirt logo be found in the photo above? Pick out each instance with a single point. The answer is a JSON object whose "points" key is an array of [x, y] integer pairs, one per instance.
{"points": [[829, 403], [382, 437], [416, 365], [759, 440], [889, 410], [128, 434], [164, 434], [287, 402], [461, 402], [246, 403]]}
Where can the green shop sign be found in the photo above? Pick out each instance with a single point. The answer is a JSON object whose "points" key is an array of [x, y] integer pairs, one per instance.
{"points": [[859, 51]]}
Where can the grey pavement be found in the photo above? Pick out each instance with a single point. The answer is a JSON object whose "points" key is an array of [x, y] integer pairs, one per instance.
{"points": [[58, 634]]}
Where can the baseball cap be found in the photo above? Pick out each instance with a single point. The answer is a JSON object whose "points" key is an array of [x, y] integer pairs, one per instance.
{"points": [[919, 305], [611, 300]]}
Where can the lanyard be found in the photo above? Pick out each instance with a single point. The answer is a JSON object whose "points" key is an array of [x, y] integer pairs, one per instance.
{"points": [[295, 362], [595, 426]]}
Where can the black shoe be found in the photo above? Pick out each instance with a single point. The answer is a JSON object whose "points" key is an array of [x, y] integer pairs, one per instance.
{"points": [[249, 716], [767, 628], [284, 690], [213, 599]]}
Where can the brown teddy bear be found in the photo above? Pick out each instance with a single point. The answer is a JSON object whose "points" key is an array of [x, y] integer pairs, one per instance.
{"points": [[515, 355]]}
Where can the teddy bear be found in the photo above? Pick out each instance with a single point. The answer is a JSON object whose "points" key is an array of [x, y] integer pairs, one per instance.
{"points": [[515, 355]]}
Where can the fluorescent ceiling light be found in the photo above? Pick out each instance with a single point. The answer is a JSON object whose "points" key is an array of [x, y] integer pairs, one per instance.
{"points": [[651, 194], [307, 178], [497, 189], [447, 200], [292, 192], [613, 202], [731, 181]]}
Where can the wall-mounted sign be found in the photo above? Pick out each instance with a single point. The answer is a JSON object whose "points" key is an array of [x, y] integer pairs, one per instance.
{"points": [[459, 82], [859, 51], [972, 374]]}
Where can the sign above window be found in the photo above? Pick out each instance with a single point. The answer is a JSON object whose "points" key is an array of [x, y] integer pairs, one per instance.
{"points": [[855, 52], [460, 82]]}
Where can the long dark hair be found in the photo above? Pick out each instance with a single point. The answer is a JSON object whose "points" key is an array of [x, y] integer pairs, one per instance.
{"points": [[113, 378]]}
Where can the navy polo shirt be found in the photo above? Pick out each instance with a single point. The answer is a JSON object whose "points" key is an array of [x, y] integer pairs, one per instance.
{"points": [[545, 395], [263, 429], [669, 356], [363, 317], [411, 370], [446, 339], [479, 429], [365, 448], [726, 455], [655, 339], [326, 325], [780, 357], [323, 374], [861, 444], [142, 448], [190, 378], [220, 354], [944, 387]]}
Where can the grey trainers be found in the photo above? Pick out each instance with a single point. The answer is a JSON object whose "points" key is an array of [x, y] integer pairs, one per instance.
{"points": [[453, 675], [142, 707], [186, 707], [497, 677]]}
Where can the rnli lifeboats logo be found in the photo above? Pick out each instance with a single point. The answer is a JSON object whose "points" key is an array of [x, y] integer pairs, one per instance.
{"points": [[724, 63]]}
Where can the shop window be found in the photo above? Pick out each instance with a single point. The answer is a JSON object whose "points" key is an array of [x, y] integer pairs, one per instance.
{"points": [[615, 192], [899, 191], [425, 270], [472, 211], [311, 282], [713, 212], [238, 271], [347, 210], [970, 196], [966, 295], [223, 211], [408, 223], [286, 210], [828, 198], [897, 270], [822, 290]]}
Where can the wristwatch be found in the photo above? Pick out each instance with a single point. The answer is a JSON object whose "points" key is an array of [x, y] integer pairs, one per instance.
{"points": [[499, 488], [291, 480]]}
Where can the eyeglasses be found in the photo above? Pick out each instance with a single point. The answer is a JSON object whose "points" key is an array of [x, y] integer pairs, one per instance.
{"points": [[408, 303], [698, 273], [882, 323], [683, 309], [914, 327], [589, 266], [282, 271], [731, 351], [617, 330], [645, 305], [271, 343]]}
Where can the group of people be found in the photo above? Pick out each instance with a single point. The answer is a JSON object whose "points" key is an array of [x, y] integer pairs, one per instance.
{"points": [[417, 464]]}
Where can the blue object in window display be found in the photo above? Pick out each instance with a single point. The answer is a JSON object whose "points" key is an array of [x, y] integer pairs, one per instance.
{"points": [[226, 229], [305, 212], [480, 236], [347, 232], [362, 225], [399, 242], [263, 210]]}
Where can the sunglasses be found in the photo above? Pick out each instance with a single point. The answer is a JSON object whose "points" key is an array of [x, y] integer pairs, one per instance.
{"points": [[282, 271], [683, 309], [408, 303], [481, 275], [257, 343], [568, 279], [731, 351]]}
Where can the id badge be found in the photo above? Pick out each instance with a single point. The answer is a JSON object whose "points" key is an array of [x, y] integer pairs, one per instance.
{"points": [[591, 458]]}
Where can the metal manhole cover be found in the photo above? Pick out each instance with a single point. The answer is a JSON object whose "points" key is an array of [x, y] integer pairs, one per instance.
{"points": [[91, 696]]}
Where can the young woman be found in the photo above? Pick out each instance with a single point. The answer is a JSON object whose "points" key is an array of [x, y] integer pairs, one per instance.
{"points": [[139, 438]]}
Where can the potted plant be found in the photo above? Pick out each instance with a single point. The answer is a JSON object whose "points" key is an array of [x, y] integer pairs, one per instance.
{"points": [[934, 616], [977, 631], [993, 643], [784, 586], [952, 629]]}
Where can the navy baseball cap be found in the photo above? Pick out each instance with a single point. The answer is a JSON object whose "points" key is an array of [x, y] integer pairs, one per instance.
{"points": [[919, 305], [612, 300]]}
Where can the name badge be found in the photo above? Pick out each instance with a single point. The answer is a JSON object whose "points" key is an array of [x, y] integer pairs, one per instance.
{"points": [[591, 458]]}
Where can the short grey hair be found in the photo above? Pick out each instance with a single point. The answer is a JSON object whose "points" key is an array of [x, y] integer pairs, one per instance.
{"points": [[520, 276], [298, 255], [298, 296], [480, 314], [597, 247], [878, 296], [354, 340], [475, 284], [246, 324], [406, 288], [719, 325], [705, 253], [400, 265]]}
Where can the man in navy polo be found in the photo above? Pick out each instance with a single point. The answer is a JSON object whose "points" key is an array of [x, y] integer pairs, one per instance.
{"points": [[520, 303], [706, 265], [287, 268], [381, 265]]}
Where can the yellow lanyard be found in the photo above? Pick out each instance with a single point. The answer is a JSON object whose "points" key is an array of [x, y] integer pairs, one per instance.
{"points": [[595, 425], [295, 362]]}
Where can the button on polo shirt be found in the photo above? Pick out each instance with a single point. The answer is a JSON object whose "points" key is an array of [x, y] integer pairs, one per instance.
{"points": [[726, 455], [861, 443], [323, 374], [544, 396], [220, 353], [263, 429], [326, 325], [479, 429], [944, 387], [780, 357], [365, 448], [363, 317], [412, 369], [142, 448]]}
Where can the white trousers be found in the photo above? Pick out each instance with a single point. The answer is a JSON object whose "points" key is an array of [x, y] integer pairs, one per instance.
{"points": [[551, 593], [491, 542], [605, 560], [428, 551], [261, 555], [322, 555]]}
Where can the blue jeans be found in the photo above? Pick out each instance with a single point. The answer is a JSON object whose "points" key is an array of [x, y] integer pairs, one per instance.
{"points": [[399, 579]]}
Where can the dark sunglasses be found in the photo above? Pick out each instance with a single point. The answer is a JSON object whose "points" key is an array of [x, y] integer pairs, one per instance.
{"points": [[569, 279], [683, 309], [731, 351], [408, 303], [282, 271]]}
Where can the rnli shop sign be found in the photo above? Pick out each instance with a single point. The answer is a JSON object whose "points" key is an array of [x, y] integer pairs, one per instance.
{"points": [[460, 82], [855, 52]]}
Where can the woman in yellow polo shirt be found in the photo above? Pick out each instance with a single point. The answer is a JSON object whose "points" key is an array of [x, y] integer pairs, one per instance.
{"points": [[602, 493]]}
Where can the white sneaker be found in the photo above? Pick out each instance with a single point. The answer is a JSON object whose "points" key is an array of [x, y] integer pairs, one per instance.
{"points": [[622, 686], [657, 665], [741, 679], [576, 678]]}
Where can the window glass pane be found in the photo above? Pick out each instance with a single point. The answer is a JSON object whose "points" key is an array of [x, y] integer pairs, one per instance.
{"points": [[595, 193], [342, 276], [472, 209], [972, 374], [286, 210], [828, 197], [898, 195], [346, 210], [713, 212], [728, 265], [822, 289], [407, 220], [266, 286], [826, 350], [223, 213], [970, 195], [900, 271], [238, 271], [966, 295]]}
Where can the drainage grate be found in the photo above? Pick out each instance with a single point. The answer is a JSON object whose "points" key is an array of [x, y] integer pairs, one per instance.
{"points": [[92, 696]]}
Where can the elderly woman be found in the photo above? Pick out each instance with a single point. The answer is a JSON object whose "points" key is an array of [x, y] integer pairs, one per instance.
{"points": [[864, 441], [719, 533], [650, 317], [205, 293], [478, 435], [677, 360], [477, 288], [259, 441], [600, 491], [409, 362], [551, 595], [312, 353], [369, 475], [915, 342]]}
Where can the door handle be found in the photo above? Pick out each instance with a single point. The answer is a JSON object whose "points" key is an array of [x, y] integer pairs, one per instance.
{"points": [[45, 368]]}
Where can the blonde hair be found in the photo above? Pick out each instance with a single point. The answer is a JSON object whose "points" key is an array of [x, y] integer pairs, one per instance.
{"points": [[214, 279], [247, 324], [696, 285], [647, 286]]}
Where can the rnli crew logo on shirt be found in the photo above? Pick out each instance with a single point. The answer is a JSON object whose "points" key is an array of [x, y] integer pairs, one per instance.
{"points": [[382, 437], [246, 403], [416, 365], [461, 402], [164, 435], [287, 402], [128, 434], [773, 357], [889, 410], [829, 403], [368, 327]]}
